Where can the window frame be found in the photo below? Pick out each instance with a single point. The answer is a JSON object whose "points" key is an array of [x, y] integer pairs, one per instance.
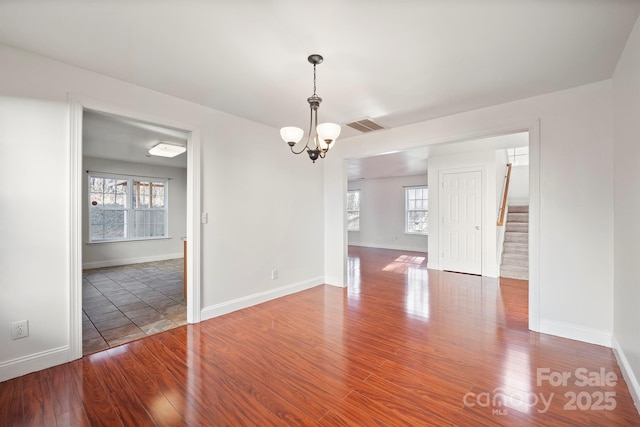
{"points": [[359, 192], [518, 156], [131, 207], [407, 211]]}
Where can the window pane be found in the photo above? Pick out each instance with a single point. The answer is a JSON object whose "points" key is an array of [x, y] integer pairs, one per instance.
{"points": [[158, 230], [353, 210], [159, 217], [417, 222], [417, 210], [96, 217], [353, 223], [113, 200], [158, 195], [114, 230], [97, 232]]}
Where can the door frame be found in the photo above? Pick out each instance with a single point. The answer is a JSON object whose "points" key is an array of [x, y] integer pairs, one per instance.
{"points": [[77, 105], [483, 203]]}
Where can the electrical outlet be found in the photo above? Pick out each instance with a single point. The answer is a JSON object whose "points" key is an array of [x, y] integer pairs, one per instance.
{"points": [[274, 274], [20, 329]]}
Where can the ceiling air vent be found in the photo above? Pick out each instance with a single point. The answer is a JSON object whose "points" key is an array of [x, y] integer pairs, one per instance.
{"points": [[365, 125]]}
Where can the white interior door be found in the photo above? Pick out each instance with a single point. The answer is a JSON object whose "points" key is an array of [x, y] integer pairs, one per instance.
{"points": [[461, 222]]}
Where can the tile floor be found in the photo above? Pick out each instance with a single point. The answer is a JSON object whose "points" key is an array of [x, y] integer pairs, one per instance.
{"points": [[121, 304]]}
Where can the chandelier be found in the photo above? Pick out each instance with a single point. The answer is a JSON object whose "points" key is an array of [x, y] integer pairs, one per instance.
{"points": [[322, 135]]}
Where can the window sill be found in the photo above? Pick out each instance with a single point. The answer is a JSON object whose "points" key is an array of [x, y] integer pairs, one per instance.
{"points": [[415, 234]]}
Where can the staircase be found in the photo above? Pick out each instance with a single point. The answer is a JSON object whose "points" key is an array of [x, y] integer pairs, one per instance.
{"points": [[515, 254]]}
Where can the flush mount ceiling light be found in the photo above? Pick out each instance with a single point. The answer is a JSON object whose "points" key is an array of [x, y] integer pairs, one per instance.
{"points": [[167, 150], [322, 135]]}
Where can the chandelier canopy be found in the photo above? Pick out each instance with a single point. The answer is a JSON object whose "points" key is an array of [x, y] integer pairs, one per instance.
{"points": [[323, 135]]}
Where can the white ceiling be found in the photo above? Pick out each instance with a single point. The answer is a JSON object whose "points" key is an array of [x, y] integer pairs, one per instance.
{"points": [[414, 161], [106, 136], [397, 62]]}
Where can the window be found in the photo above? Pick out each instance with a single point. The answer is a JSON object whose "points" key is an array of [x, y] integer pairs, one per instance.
{"points": [[417, 210], [518, 156], [353, 210], [127, 208]]}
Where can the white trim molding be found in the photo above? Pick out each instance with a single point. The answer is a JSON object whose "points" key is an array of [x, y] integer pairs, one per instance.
{"points": [[75, 229], [258, 298], [128, 261], [77, 104], [534, 225], [627, 373], [390, 246], [34, 362], [194, 227], [575, 332]]}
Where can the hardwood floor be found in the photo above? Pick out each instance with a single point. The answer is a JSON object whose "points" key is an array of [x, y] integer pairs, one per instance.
{"points": [[400, 346]]}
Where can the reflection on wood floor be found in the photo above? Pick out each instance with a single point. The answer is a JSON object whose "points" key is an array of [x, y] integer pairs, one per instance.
{"points": [[401, 345]]}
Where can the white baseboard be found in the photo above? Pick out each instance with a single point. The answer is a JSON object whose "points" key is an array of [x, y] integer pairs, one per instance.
{"points": [[627, 373], [128, 261], [433, 266], [390, 246], [334, 281], [574, 332], [251, 300], [33, 362]]}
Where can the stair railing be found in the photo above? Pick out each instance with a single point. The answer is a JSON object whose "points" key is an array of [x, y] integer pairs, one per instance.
{"points": [[502, 213], [505, 195]]}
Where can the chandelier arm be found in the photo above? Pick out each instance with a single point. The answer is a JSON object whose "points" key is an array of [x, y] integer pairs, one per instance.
{"points": [[302, 150], [306, 146]]}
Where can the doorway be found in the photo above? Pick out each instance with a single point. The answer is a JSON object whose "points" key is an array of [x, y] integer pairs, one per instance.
{"points": [[79, 177], [458, 146], [134, 223]]}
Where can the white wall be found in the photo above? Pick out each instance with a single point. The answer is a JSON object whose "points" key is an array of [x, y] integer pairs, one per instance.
{"points": [[480, 160], [34, 225], [519, 186], [382, 214], [249, 180], [120, 253], [575, 170], [626, 132]]}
